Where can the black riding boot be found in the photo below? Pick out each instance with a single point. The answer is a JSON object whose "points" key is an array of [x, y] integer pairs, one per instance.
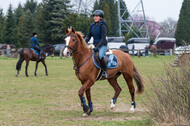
{"points": [[104, 67], [40, 55]]}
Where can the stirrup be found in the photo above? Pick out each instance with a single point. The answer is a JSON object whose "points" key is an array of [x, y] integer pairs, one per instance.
{"points": [[105, 74]]}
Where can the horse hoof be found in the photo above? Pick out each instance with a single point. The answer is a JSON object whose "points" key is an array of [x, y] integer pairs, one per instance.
{"points": [[85, 115], [113, 108], [16, 75], [131, 111]]}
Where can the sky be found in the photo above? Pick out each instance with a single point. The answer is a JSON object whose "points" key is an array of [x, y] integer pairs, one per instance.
{"points": [[157, 10]]}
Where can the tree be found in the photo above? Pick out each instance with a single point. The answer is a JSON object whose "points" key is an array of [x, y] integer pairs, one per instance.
{"points": [[1, 25], [9, 35], [96, 5], [107, 17], [25, 29], [30, 5], [168, 27], [183, 25], [58, 15], [18, 13], [114, 18]]}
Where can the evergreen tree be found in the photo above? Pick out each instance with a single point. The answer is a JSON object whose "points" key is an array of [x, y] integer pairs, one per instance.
{"points": [[59, 13], [107, 17], [30, 5], [102, 4], [9, 35], [96, 6], [114, 17], [26, 29], [1, 25], [183, 25], [38, 22], [18, 13]]}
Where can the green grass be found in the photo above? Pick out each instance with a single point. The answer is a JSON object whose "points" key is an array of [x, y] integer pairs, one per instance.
{"points": [[53, 100]]}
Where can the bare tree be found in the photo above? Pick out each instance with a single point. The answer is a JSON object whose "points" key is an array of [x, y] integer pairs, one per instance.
{"points": [[168, 27], [83, 6]]}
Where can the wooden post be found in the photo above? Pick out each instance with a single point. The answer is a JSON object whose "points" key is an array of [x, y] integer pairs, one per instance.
{"points": [[171, 52], [60, 53], [139, 53]]}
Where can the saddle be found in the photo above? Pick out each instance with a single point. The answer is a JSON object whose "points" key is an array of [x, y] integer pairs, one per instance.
{"points": [[35, 51], [111, 61]]}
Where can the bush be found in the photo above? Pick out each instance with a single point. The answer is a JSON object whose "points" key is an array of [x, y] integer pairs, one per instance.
{"points": [[169, 96]]}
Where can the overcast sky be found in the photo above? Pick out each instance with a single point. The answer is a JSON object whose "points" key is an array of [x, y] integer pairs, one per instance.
{"points": [[157, 10]]}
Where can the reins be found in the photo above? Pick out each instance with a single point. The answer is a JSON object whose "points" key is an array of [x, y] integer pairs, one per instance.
{"points": [[74, 51]]}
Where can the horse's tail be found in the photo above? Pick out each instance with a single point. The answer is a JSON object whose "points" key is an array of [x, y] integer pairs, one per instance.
{"points": [[19, 63], [138, 79]]}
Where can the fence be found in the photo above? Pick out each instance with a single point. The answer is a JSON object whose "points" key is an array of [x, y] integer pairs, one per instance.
{"points": [[13, 53]]}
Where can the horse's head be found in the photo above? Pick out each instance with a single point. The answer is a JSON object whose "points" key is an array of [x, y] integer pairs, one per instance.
{"points": [[71, 42], [48, 49]]}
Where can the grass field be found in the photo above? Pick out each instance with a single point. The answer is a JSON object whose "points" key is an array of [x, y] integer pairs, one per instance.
{"points": [[53, 100]]}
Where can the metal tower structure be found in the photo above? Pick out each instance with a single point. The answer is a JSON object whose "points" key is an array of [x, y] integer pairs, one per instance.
{"points": [[128, 25], [84, 5]]}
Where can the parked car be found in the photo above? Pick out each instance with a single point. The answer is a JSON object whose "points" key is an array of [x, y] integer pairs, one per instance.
{"points": [[115, 42], [57, 48], [164, 44], [182, 49], [139, 44], [124, 48]]}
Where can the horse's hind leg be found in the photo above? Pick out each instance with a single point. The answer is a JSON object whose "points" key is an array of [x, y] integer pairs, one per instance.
{"points": [[43, 62], [114, 84], [129, 81]]}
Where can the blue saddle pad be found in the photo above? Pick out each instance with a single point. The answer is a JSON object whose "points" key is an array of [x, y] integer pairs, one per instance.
{"points": [[35, 51], [112, 61]]}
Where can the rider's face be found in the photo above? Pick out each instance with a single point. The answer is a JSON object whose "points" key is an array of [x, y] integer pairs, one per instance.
{"points": [[97, 18], [35, 35]]}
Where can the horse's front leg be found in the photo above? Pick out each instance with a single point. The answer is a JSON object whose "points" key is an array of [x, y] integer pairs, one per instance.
{"points": [[26, 68], [88, 95], [36, 68], [43, 62], [86, 87]]}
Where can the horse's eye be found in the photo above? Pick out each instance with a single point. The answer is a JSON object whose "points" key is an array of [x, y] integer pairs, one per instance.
{"points": [[73, 40]]}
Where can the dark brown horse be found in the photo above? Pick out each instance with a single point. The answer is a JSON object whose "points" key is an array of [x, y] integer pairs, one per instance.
{"points": [[28, 54], [87, 72]]}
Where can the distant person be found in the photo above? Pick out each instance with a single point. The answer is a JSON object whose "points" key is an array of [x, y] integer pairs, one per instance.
{"points": [[8, 50], [35, 44], [133, 49], [146, 50]]}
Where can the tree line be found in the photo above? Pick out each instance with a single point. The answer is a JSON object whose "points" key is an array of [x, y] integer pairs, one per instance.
{"points": [[49, 19]]}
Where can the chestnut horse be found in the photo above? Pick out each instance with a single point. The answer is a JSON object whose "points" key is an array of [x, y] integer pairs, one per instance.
{"points": [[87, 72], [28, 54]]}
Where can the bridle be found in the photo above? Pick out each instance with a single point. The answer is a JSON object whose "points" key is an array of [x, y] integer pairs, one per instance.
{"points": [[74, 49]]}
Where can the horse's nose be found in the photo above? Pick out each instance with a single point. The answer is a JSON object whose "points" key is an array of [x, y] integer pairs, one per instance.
{"points": [[66, 52], [52, 55]]}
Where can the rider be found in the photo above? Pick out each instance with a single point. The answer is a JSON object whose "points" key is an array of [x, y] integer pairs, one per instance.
{"points": [[98, 30], [35, 44]]}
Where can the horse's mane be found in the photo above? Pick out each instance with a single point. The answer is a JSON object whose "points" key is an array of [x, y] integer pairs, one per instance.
{"points": [[44, 47], [80, 35]]}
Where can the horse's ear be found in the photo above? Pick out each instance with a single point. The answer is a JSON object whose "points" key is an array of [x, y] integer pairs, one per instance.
{"points": [[66, 31], [73, 30]]}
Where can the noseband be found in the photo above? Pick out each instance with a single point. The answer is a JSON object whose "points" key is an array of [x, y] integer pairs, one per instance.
{"points": [[74, 49]]}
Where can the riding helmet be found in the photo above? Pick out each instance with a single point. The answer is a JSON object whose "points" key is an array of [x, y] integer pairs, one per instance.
{"points": [[98, 13]]}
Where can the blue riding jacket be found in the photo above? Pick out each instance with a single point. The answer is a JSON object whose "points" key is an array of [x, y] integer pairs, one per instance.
{"points": [[34, 42], [98, 31]]}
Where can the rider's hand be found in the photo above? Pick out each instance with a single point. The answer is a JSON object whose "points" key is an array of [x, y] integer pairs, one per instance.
{"points": [[95, 49]]}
